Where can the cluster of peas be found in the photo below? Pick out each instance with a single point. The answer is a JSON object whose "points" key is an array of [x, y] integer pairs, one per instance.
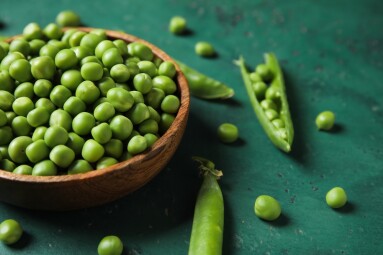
{"points": [[72, 101]]}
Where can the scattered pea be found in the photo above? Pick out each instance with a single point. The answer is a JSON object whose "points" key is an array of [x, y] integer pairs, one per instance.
{"points": [[204, 49], [110, 245], [227, 132], [68, 19], [10, 231], [336, 197], [177, 25], [267, 208], [325, 120]]}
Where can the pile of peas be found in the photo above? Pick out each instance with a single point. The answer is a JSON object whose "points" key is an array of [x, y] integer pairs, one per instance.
{"points": [[72, 101]]}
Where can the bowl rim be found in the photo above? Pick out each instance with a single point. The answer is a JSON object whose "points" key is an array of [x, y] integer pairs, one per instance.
{"points": [[184, 95]]}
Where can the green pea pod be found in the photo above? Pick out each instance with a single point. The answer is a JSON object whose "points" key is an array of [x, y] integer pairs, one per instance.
{"points": [[207, 230], [203, 86], [280, 137]]}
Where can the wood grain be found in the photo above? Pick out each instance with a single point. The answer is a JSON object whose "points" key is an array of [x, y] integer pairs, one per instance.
{"points": [[69, 192]]}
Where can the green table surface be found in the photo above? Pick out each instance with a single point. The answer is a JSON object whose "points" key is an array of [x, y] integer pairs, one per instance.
{"points": [[332, 56]]}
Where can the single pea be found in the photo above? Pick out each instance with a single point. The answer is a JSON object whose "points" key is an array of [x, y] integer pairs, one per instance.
{"points": [[32, 31], [55, 135], [267, 208], [147, 67], [43, 67], [102, 133], [121, 127], [17, 147], [9, 59], [137, 96], [61, 118], [259, 89], [24, 89], [104, 111], [92, 151], [137, 144], [204, 49], [3, 118], [271, 114], [10, 116], [133, 68], [6, 135], [150, 139], [6, 81], [58, 43], [336, 197], [38, 117], [105, 84], [37, 151], [74, 106], [132, 60], [114, 148], [170, 104], [140, 50], [112, 57], [44, 168], [157, 61], [100, 32], [75, 38], [68, 18], [325, 120], [121, 99], [120, 73], [83, 123], [79, 166], [66, 59], [52, 31], [20, 45], [22, 106], [273, 93], [177, 25], [264, 71], [20, 70], [81, 52], [39, 133], [105, 162], [255, 77], [23, 170], [88, 92], [36, 45], [278, 123], [143, 82], [122, 47], [90, 41], [166, 121], [268, 104], [62, 156], [10, 231], [164, 83], [227, 132], [67, 34], [46, 103], [138, 113], [59, 95], [6, 100], [42, 88], [148, 126], [71, 79], [75, 142], [20, 126], [282, 132], [167, 68], [97, 103], [4, 152], [92, 71], [102, 47], [7, 165], [49, 50], [110, 245]]}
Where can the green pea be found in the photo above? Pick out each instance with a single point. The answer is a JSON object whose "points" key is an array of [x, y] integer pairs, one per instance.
{"points": [[264, 71], [255, 77], [24, 89], [148, 126], [102, 47], [43, 68], [137, 96], [167, 68], [39, 133], [75, 142], [6, 82], [90, 41], [20, 126], [110, 245], [37, 151], [22, 106], [177, 25], [17, 147], [164, 83], [325, 120], [137, 144], [66, 59], [32, 31], [6, 100], [81, 52], [122, 47], [10, 231], [140, 50], [90, 59], [71, 79], [20, 45], [121, 127], [271, 114], [267, 208], [62, 156], [3, 118], [9, 59], [92, 151], [20, 70], [92, 71], [38, 117], [273, 93], [268, 104], [150, 139], [49, 50], [282, 132], [7, 165], [105, 162], [55, 135], [102, 133], [42, 88], [79, 166], [67, 34], [58, 43], [68, 18], [336, 197], [170, 104], [10, 117], [260, 89], [147, 67], [138, 113], [44, 168], [121, 99], [278, 123], [52, 31], [133, 68], [88, 92], [59, 95], [36, 45], [46, 103], [120, 73], [114, 148], [166, 121], [104, 111], [143, 83], [227, 133], [23, 170], [6, 135], [75, 38], [105, 84], [74, 106], [204, 49], [83, 123], [61, 118], [112, 57]]}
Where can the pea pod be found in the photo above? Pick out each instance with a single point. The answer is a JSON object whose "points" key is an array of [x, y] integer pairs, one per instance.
{"points": [[272, 105], [203, 86], [207, 231]]}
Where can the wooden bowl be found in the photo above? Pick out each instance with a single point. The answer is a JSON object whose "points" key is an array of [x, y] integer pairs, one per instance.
{"points": [[69, 192]]}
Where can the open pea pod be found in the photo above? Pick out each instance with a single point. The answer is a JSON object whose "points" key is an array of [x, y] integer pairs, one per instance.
{"points": [[203, 86], [267, 94]]}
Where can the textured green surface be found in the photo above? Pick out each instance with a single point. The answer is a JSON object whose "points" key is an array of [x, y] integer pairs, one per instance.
{"points": [[331, 53]]}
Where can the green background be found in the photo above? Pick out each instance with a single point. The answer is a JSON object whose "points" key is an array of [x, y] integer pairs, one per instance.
{"points": [[332, 56]]}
